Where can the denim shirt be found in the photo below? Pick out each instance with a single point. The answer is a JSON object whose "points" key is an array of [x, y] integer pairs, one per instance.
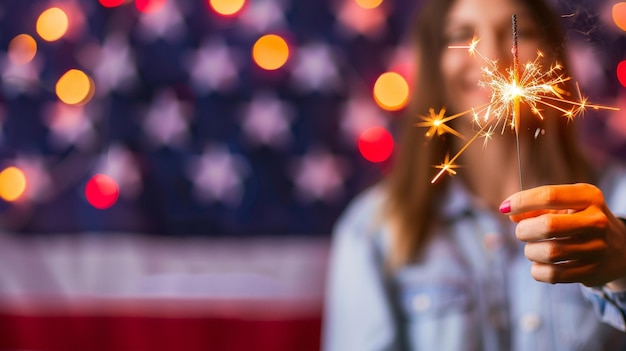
{"points": [[471, 291]]}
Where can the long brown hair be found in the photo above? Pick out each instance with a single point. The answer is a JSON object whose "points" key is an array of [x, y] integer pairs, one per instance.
{"points": [[412, 198]]}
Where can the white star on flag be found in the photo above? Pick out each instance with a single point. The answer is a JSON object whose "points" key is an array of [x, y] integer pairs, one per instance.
{"points": [[401, 60], [167, 23], [118, 163], [69, 125], [17, 79], [266, 121], [319, 175], [263, 15], [167, 120], [112, 65], [315, 68], [217, 176], [212, 67], [359, 114], [39, 186], [354, 19]]}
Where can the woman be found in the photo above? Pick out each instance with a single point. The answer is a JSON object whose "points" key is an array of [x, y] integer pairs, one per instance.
{"points": [[417, 266]]}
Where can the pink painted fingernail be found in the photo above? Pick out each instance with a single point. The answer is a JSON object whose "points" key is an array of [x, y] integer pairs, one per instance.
{"points": [[505, 207]]}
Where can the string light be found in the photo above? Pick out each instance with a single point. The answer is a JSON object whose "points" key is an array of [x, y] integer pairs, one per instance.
{"points": [[12, 183], [619, 15], [22, 49], [75, 87], [102, 191], [227, 7], [369, 4], [52, 24], [376, 144], [270, 52], [391, 91]]}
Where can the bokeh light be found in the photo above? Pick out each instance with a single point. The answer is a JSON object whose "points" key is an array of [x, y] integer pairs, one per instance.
{"points": [[227, 7], [391, 91], [12, 183], [270, 52], [369, 4], [149, 6], [22, 49], [75, 87], [102, 191], [376, 144], [621, 72], [112, 3], [52, 24], [619, 15]]}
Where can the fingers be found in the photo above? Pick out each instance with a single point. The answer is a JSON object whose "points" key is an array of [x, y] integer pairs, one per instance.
{"points": [[566, 248], [560, 225], [566, 272], [554, 251], [529, 214], [570, 234], [552, 197]]}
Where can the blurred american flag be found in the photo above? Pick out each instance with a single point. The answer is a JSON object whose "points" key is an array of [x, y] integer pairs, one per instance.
{"points": [[198, 137]]}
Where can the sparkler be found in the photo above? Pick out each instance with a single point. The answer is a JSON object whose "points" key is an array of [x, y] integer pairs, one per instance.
{"points": [[516, 99], [533, 86]]}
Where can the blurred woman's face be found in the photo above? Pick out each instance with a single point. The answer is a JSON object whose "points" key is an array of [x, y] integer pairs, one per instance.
{"points": [[490, 22]]}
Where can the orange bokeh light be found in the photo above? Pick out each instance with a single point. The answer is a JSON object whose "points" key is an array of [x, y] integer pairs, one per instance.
{"points": [[369, 4], [619, 15], [12, 183], [391, 91], [75, 87], [22, 49], [227, 7], [52, 24], [270, 52]]}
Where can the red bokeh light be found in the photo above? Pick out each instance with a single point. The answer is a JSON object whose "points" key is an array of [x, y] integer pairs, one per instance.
{"points": [[102, 191], [111, 3], [376, 144], [621, 72], [147, 6]]}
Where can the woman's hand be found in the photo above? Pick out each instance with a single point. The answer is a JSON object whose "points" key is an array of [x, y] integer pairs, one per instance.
{"points": [[570, 235]]}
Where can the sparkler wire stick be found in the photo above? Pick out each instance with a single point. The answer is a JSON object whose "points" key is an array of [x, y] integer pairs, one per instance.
{"points": [[516, 99]]}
